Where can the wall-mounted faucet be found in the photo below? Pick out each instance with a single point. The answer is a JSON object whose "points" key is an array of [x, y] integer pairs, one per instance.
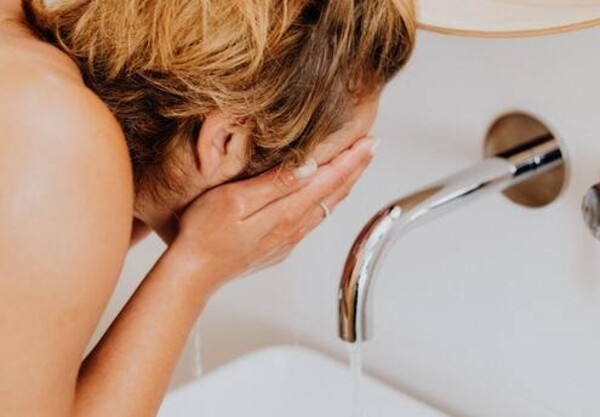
{"points": [[524, 160]]}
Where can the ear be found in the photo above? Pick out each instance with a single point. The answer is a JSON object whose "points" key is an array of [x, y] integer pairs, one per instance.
{"points": [[221, 148]]}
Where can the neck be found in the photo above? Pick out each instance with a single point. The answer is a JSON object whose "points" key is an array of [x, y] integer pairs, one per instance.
{"points": [[161, 218], [161, 214]]}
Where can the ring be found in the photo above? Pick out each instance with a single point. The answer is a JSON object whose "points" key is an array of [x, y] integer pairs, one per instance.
{"points": [[326, 211]]}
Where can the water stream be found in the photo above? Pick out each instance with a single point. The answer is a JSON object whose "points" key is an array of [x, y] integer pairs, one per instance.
{"points": [[356, 372]]}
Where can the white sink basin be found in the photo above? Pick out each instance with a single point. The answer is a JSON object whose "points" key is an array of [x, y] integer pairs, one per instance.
{"points": [[287, 381]]}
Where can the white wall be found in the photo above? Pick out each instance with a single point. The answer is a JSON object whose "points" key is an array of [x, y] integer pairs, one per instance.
{"points": [[492, 311]]}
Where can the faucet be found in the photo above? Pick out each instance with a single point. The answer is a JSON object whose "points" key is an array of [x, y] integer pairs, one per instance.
{"points": [[523, 153]]}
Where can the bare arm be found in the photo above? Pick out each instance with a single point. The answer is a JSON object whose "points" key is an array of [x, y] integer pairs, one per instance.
{"points": [[129, 370]]}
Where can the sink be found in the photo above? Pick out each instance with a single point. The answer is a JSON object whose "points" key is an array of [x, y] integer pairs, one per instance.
{"points": [[288, 381]]}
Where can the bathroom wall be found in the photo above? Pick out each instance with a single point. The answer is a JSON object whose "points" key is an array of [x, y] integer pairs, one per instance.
{"points": [[491, 311]]}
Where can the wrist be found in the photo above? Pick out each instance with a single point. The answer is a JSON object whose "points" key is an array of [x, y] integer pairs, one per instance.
{"points": [[192, 271]]}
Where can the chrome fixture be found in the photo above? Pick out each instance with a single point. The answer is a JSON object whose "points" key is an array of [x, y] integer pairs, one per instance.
{"points": [[524, 160]]}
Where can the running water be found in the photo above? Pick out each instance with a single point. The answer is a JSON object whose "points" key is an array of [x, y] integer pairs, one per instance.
{"points": [[197, 353], [355, 355]]}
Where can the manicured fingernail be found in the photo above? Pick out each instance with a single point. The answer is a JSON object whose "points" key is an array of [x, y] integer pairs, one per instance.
{"points": [[306, 170], [374, 146]]}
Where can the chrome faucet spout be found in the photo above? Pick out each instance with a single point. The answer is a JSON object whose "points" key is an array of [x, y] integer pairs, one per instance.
{"points": [[493, 174]]}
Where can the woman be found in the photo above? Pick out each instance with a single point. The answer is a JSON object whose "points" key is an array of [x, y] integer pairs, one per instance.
{"points": [[229, 127]]}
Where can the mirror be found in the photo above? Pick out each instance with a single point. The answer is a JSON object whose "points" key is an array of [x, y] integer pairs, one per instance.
{"points": [[507, 18]]}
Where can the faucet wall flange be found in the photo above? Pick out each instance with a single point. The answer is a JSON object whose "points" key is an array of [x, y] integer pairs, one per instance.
{"points": [[516, 129]]}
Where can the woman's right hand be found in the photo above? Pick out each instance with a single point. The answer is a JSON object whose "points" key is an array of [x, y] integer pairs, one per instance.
{"points": [[241, 227]]}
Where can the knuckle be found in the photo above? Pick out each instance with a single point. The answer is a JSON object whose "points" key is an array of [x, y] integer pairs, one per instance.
{"points": [[338, 181], [283, 226], [286, 253], [337, 164], [297, 236], [288, 220], [281, 258], [365, 158], [239, 208], [284, 181]]}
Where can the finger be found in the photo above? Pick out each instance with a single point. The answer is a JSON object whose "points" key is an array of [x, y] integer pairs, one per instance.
{"points": [[330, 178], [317, 215], [306, 224], [278, 183], [334, 176], [260, 191]]}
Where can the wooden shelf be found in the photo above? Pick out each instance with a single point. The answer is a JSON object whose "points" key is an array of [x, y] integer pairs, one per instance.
{"points": [[507, 18]]}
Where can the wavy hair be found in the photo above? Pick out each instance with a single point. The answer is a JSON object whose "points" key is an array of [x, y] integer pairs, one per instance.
{"points": [[292, 67]]}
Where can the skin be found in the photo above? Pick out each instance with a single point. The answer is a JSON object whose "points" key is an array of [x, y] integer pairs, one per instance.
{"points": [[68, 216]]}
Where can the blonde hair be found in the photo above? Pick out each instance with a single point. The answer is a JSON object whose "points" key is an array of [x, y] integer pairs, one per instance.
{"points": [[292, 67]]}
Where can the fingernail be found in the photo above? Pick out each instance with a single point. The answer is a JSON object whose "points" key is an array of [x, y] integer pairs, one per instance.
{"points": [[306, 170], [374, 145]]}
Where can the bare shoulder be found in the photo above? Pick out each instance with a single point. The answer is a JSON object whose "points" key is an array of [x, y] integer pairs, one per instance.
{"points": [[56, 111], [66, 201], [53, 125], [64, 159], [45, 105]]}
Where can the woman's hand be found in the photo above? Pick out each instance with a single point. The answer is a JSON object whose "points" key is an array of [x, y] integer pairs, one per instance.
{"points": [[238, 228]]}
